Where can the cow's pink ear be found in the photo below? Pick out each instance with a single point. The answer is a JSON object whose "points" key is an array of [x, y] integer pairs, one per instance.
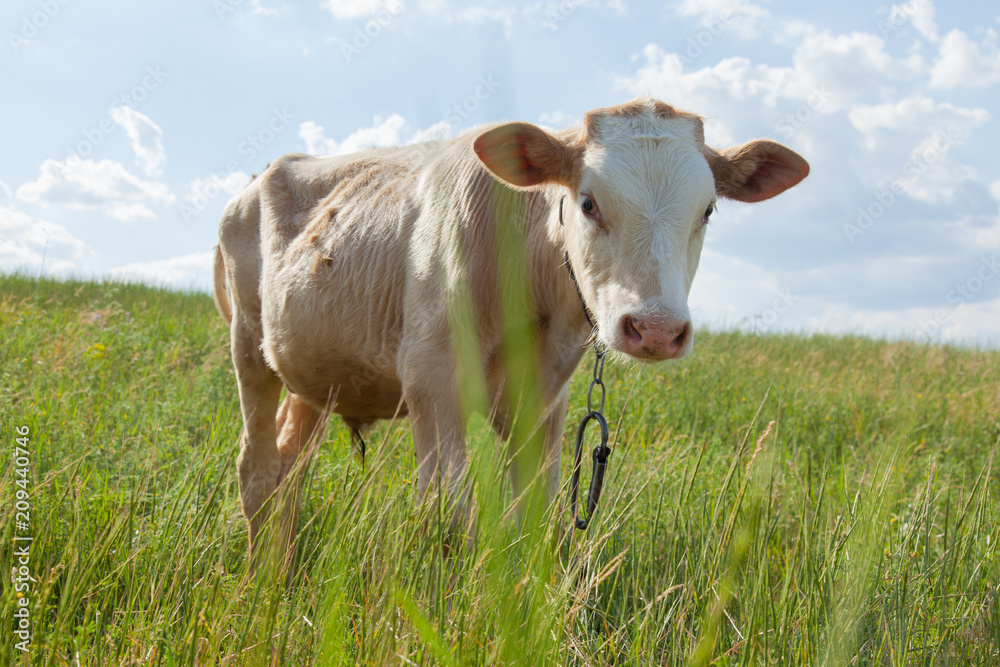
{"points": [[523, 154], [755, 171]]}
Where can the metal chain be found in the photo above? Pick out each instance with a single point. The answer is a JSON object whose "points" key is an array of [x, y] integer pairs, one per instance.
{"points": [[597, 381], [600, 453]]}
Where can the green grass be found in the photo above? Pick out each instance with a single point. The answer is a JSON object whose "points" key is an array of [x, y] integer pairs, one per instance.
{"points": [[862, 530]]}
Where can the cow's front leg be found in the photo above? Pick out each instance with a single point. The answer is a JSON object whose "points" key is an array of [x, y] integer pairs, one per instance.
{"points": [[439, 441], [259, 463], [438, 427], [532, 472]]}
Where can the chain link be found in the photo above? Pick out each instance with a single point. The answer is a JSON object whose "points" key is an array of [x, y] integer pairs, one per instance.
{"points": [[600, 453], [597, 381]]}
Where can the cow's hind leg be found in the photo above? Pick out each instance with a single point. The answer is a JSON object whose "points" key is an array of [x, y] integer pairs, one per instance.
{"points": [[259, 463], [296, 424]]}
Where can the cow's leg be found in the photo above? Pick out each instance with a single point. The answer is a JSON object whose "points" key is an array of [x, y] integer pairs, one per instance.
{"points": [[259, 463], [524, 473], [439, 442], [297, 420], [438, 439], [295, 425]]}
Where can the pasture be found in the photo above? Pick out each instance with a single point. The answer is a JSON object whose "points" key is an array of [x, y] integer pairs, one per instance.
{"points": [[862, 529]]}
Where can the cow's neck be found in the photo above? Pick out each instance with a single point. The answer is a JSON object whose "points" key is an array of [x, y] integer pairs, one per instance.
{"points": [[559, 306]]}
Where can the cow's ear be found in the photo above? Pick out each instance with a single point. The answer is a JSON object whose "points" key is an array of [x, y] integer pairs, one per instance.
{"points": [[755, 171], [523, 154]]}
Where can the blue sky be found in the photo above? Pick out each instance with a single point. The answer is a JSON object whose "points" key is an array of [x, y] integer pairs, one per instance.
{"points": [[126, 127]]}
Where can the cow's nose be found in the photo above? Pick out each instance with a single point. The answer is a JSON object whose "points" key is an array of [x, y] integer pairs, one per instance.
{"points": [[655, 337]]}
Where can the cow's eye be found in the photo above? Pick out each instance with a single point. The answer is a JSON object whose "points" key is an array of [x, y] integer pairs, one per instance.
{"points": [[708, 213], [589, 208]]}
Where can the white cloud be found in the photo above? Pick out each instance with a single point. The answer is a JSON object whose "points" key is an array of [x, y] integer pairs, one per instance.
{"points": [[385, 132], [970, 323], [192, 271], [439, 130], [27, 243], [963, 62], [354, 9], [87, 184], [557, 119], [548, 13], [920, 13], [127, 212], [917, 114], [791, 31], [315, 138], [741, 98], [933, 177], [730, 292], [388, 132], [203, 189], [551, 14], [995, 190], [480, 15], [710, 91], [717, 16], [261, 10], [912, 113], [849, 66], [842, 66], [7, 192], [145, 136], [925, 131], [838, 68]]}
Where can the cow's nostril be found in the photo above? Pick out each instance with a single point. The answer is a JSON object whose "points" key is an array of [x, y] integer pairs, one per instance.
{"points": [[681, 338], [629, 331]]}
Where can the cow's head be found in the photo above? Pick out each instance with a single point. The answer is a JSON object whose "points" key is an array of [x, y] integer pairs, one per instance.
{"points": [[642, 185]]}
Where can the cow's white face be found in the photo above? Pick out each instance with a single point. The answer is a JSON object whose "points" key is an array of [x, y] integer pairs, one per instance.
{"points": [[641, 186], [634, 230]]}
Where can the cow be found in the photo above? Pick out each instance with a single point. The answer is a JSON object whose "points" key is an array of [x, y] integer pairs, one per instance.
{"points": [[347, 274]]}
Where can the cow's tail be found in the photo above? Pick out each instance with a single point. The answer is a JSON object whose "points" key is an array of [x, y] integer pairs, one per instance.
{"points": [[222, 303]]}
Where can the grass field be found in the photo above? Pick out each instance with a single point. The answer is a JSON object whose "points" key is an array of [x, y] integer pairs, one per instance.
{"points": [[861, 530]]}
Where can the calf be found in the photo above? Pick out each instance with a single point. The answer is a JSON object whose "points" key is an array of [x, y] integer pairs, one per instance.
{"points": [[347, 275]]}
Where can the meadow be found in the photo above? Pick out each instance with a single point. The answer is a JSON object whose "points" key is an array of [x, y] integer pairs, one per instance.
{"points": [[860, 527]]}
